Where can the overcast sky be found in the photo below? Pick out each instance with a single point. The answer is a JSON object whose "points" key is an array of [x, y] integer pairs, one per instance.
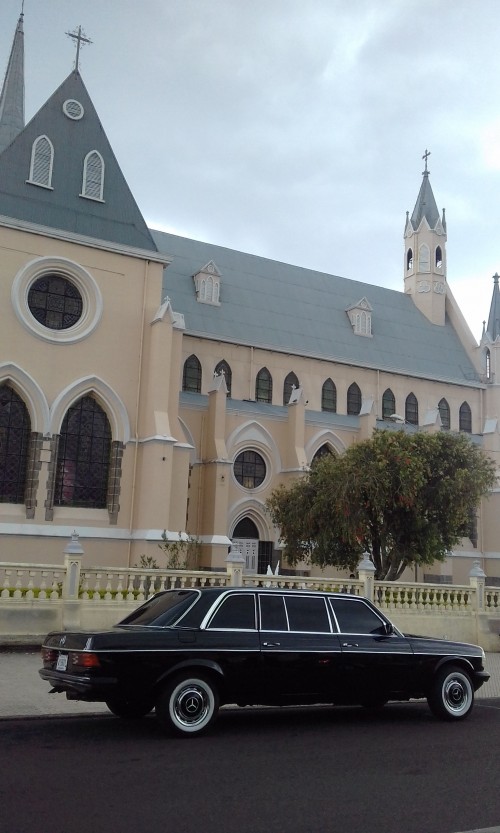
{"points": [[290, 129]]}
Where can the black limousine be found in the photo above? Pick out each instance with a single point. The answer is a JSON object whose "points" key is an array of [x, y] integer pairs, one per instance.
{"points": [[186, 652]]}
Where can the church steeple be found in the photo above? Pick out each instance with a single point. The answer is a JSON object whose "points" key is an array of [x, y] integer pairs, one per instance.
{"points": [[493, 328], [425, 253], [12, 95]]}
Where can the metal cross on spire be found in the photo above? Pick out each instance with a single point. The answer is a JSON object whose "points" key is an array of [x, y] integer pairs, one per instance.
{"points": [[425, 158], [81, 39]]}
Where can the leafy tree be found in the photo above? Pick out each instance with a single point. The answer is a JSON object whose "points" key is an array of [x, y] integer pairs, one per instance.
{"points": [[404, 498]]}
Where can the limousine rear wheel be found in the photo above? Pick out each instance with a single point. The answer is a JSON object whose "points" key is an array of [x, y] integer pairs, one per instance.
{"points": [[451, 696], [188, 705]]}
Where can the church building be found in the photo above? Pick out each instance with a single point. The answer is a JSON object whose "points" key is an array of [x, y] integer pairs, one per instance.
{"points": [[153, 385]]}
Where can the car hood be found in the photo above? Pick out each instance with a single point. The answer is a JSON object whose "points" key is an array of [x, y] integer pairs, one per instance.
{"points": [[430, 644]]}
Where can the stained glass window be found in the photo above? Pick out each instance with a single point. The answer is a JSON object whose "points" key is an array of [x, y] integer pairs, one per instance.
{"points": [[191, 375], [264, 386], [15, 429], [249, 469], [55, 302], [329, 397], [83, 456]]}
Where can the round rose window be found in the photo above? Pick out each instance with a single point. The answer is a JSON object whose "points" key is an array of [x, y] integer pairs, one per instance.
{"points": [[249, 469], [55, 302]]}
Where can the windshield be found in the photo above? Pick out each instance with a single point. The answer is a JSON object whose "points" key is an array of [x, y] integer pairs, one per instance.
{"points": [[162, 609]]}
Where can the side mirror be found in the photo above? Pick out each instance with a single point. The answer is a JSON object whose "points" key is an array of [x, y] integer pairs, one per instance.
{"points": [[388, 628]]}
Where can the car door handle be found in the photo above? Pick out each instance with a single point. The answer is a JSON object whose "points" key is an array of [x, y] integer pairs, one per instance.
{"points": [[271, 644], [350, 645]]}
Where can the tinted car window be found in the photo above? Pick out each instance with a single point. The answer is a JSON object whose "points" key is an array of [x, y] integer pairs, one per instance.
{"points": [[356, 617], [307, 614], [162, 609], [273, 613], [236, 611]]}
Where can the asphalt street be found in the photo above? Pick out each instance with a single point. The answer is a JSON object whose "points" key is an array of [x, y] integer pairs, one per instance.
{"points": [[292, 770], [338, 771]]}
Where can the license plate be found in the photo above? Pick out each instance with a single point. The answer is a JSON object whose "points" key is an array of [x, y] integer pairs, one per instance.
{"points": [[62, 662]]}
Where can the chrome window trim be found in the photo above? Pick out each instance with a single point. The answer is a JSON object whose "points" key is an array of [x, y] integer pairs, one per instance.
{"points": [[293, 594], [196, 599], [205, 625], [303, 595], [175, 649], [358, 600], [270, 630]]}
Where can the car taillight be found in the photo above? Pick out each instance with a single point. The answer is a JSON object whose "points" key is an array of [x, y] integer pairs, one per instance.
{"points": [[49, 655], [85, 660]]}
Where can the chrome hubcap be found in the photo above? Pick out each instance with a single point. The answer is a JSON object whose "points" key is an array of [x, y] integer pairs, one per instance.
{"points": [[456, 694], [192, 705]]}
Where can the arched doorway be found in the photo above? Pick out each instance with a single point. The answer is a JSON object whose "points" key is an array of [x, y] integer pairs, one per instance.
{"points": [[258, 554]]}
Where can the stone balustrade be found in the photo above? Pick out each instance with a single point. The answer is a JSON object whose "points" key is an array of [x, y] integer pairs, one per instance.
{"points": [[36, 598]]}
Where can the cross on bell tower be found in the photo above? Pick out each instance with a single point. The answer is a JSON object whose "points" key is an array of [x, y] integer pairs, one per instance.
{"points": [[81, 39]]}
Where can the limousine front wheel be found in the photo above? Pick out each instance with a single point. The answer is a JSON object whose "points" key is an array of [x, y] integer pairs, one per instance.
{"points": [[451, 696], [188, 705]]}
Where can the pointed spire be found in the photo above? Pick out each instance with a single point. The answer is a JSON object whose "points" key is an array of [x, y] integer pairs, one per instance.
{"points": [[12, 95], [425, 205], [493, 328]]}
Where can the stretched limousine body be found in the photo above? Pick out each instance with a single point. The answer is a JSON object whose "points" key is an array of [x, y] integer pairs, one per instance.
{"points": [[186, 652]]}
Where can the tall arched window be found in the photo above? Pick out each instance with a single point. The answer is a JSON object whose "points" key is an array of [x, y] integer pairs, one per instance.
{"points": [[93, 176], [264, 386], [409, 260], [487, 360], [323, 451], [191, 375], [388, 404], [411, 409], [444, 413], [329, 397], [224, 368], [439, 257], [353, 399], [83, 456], [291, 382], [15, 429], [465, 418], [424, 264], [42, 160]]}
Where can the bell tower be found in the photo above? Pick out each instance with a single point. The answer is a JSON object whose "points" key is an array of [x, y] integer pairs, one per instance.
{"points": [[425, 253]]}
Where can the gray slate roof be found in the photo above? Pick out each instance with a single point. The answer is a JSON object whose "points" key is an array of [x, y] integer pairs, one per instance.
{"points": [[117, 219], [277, 306]]}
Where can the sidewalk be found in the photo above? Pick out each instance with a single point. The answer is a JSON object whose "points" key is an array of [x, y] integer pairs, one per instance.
{"points": [[24, 694]]}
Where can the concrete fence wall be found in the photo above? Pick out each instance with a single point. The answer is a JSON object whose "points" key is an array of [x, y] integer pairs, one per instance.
{"points": [[37, 598]]}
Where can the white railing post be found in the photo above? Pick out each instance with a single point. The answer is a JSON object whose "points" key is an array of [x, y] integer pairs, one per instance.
{"points": [[477, 578], [366, 572], [73, 554], [235, 562]]}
